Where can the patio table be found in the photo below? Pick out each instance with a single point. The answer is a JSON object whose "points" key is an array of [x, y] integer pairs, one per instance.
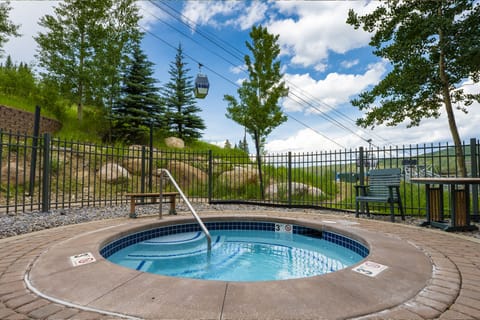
{"points": [[459, 202]]}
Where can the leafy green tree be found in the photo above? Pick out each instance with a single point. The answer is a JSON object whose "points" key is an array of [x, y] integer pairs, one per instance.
{"points": [[7, 27], [433, 47], [20, 81], [50, 98], [17, 80], [85, 46], [258, 110], [182, 111], [120, 39], [139, 106]]}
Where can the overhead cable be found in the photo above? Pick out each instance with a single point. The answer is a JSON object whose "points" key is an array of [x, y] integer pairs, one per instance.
{"points": [[305, 98]]}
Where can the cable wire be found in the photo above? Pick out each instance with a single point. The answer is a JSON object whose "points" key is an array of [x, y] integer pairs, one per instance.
{"points": [[305, 98]]}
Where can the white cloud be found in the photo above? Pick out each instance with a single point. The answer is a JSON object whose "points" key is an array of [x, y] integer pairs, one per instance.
{"points": [[349, 64], [238, 69], [320, 67], [150, 14], [27, 14], [320, 27], [204, 12], [251, 15], [224, 13], [334, 90], [305, 140], [240, 81], [430, 131]]}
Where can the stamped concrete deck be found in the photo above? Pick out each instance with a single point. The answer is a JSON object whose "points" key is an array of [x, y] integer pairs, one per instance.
{"points": [[432, 274]]}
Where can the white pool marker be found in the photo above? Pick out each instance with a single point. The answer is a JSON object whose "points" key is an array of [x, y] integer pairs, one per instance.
{"points": [[82, 258], [281, 227], [369, 268]]}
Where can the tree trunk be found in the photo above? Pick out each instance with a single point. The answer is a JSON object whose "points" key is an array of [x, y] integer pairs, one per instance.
{"points": [[79, 111], [448, 107], [454, 131], [80, 99], [81, 77], [259, 163]]}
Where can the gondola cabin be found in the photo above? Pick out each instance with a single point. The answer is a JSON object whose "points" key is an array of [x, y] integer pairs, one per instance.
{"points": [[201, 86]]}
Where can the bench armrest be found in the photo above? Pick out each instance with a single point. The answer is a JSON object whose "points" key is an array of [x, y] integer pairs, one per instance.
{"points": [[360, 189], [358, 186]]}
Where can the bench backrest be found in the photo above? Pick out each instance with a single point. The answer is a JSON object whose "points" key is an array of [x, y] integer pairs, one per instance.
{"points": [[379, 180]]}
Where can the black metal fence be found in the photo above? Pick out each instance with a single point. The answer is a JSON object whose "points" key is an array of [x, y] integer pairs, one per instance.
{"points": [[40, 174]]}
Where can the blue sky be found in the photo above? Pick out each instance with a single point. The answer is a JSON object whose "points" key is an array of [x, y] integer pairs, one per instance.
{"points": [[325, 61]]}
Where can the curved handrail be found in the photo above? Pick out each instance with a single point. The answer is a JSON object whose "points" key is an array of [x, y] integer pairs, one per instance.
{"points": [[189, 205]]}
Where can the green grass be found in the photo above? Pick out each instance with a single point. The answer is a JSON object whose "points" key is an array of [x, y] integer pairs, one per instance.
{"points": [[23, 104], [88, 130]]}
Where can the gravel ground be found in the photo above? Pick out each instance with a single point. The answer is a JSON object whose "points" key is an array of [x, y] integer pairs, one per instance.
{"points": [[12, 225]]}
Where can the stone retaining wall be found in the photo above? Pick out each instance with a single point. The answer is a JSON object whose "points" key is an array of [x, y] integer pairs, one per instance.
{"points": [[19, 121]]}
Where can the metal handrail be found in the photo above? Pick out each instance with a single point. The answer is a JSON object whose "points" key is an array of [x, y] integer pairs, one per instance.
{"points": [[189, 205]]}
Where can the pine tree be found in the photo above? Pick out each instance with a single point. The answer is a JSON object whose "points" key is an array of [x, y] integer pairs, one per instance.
{"points": [[243, 145], [182, 111], [140, 105]]}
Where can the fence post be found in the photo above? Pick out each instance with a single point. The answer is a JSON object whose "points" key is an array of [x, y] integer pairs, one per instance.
{"points": [[46, 173], [142, 182], [150, 160], [361, 162], [289, 175], [33, 163], [210, 176], [474, 171]]}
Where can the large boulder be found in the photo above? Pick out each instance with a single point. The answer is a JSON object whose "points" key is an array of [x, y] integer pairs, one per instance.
{"points": [[133, 161], [14, 173], [135, 150], [239, 176], [113, 173], [298, 189], [135, 165], [174, 142], [186, 175]]}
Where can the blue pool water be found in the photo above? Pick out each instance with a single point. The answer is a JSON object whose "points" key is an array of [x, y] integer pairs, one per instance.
{"points": [[238, 255]]}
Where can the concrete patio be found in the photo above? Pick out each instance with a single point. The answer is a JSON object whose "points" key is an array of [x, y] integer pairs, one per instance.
{"points": [[432, 274]]}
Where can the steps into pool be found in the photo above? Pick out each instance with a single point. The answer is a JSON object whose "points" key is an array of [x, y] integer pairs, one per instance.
{"points": [[174, 246]]}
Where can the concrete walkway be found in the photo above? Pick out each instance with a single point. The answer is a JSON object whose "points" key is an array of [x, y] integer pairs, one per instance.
{"points": [[452, 292]]}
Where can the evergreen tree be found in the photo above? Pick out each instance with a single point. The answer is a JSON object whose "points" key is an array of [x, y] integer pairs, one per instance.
{"points": [[182, 111], [139, 106], [243, 145]]}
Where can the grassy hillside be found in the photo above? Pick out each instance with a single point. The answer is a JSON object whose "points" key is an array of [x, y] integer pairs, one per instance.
{"points": [[86, 130]]}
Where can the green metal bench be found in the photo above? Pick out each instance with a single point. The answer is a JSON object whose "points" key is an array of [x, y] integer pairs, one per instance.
{"points": [[383, 186]]}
